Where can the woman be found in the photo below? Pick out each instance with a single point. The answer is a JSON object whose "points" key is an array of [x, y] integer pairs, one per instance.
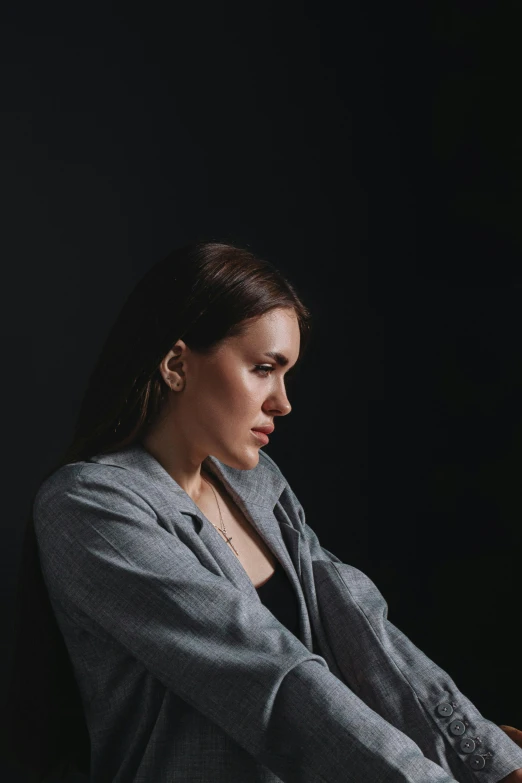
{"points": [[211, 636]]}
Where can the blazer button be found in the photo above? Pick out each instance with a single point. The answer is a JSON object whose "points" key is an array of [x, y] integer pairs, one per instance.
{"points": [[445, 709], [477, 762], [457, 728], [467, 745]]}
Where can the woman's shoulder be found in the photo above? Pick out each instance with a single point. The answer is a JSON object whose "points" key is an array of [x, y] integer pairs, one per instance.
{"points": [[71, 480], [72, 474], [58, 480]]}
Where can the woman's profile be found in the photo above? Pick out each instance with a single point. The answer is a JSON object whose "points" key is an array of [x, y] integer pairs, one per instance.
{"points": [[210, 637]]}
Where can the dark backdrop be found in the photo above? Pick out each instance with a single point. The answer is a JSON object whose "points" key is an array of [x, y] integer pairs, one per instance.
{"points": [[371, 151]]}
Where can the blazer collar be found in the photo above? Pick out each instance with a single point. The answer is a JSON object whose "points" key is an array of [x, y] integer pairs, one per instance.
{"points": [[260, 486], [255, 491]]}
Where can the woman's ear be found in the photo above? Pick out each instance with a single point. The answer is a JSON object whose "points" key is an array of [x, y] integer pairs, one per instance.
{"points": [[171, 366]]}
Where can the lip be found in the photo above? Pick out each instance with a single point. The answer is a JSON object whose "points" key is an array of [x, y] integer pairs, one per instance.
{"points": [[260, 436], [267, 429]]}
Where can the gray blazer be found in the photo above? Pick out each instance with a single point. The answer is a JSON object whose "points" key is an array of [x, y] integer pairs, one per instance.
{"points": [[186, 676]]}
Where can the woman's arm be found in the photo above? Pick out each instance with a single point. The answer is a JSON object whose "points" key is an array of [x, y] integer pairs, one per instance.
{"points": [[113, 567], [390, 674]]}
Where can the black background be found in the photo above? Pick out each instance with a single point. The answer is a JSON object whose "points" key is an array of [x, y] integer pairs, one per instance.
{"points": [[371, 151]]}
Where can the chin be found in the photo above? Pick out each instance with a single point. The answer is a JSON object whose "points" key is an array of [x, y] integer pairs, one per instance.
{"points": [[246, 461]]}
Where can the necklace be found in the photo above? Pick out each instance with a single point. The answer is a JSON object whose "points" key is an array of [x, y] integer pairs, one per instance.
{"points": [[223, 529]]}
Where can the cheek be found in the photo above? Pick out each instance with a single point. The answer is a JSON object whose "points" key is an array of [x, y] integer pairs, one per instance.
{"points": [[240, 394]]}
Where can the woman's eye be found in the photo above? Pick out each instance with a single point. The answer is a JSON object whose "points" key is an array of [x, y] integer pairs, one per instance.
{"points": [[264, 369]]}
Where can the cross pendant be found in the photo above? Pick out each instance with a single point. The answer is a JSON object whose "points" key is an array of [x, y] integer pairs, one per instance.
{"points": [[228, 540]]}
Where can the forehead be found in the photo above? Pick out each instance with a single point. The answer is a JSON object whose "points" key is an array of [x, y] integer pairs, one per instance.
{"points": [[277, 330]]}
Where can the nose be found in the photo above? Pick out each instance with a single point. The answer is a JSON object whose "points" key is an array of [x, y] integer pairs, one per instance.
{"points": [[278, 404]]}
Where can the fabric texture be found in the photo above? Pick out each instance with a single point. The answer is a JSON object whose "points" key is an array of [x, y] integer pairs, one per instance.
{"points": [[185, 675]]}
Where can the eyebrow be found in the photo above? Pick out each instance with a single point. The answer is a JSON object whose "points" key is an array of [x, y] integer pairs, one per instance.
{"points": [[279, 357]]}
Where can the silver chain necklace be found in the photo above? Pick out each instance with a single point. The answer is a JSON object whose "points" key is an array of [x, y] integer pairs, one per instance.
{"points": [[228, 539]]}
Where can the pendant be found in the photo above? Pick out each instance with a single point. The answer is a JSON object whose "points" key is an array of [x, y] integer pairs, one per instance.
{"points": [[229, 541]]}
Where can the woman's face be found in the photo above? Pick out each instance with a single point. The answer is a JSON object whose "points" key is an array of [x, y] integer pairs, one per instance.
{"points": [[237, 388]]}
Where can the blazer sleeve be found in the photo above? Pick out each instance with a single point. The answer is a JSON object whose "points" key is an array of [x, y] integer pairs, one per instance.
{"points": [[395, 678], [111, 565]]}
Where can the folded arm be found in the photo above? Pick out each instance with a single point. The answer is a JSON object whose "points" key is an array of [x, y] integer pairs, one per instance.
{"points": [[109, 561], [397, 680]]}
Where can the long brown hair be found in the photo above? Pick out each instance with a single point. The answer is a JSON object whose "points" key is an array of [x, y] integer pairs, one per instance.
{"points": [[202, 293]]}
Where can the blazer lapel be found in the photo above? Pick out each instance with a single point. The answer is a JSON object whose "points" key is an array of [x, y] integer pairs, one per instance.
{"points": [[256, 497], [256, 492]]}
